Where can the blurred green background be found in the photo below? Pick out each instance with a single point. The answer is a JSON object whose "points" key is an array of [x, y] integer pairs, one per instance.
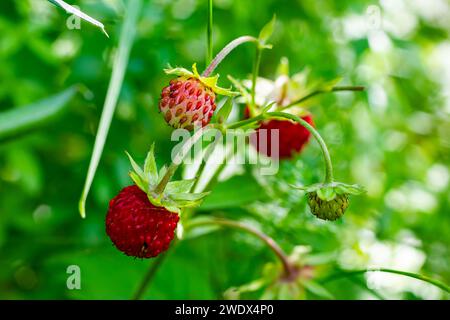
{"points": [[394, 139]]}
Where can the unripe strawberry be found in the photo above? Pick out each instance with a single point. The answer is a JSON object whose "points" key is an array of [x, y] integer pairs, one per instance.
{"points": [[136, 226], [329, 200], [187, 103], [328, 210], [189, 100]]}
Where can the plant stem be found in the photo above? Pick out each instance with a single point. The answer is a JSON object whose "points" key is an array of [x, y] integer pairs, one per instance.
{"points": [[317, 92], [165, 180], [225, 51], [255, 73], [346, 273], [315, 133], [149, 276], [245, 122], [215, 177], [271, 243], [310, 128], [178, 159], [209, 151], [209, 54]]}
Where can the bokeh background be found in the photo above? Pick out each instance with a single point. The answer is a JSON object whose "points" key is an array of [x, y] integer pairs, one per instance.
{"points": [[394, 139]]}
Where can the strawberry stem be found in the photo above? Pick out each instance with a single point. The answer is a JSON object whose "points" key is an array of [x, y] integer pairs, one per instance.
{"points": [[255, 77], [149, 276], [289, 269], [310, 128], [317, 92], [178, 159], [209, 53], [317, 136], [225, 51]]}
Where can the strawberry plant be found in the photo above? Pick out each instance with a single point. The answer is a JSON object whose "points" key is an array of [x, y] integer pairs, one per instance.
{"points": [[289, 164], [142, 218]]}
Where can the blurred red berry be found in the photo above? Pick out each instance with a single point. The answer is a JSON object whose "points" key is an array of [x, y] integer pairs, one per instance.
{"points": [[292, 137]]}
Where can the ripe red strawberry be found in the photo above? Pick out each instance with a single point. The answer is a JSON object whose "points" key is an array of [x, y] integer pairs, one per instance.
{"points": [[142, 218], [292, 136], [136, 226], [187, 103]]}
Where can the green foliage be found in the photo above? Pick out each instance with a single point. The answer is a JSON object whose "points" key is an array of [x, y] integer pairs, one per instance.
{"points": [[15, 121], [393, 139]]}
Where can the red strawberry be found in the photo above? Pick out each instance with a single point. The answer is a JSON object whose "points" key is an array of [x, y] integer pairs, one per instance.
{"points": [[136, 226], [292, 136], [187, 103]]}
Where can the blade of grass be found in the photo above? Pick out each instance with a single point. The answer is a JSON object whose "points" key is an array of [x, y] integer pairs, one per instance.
{"points": [[19, 120], [120, 63], [72, 10]]}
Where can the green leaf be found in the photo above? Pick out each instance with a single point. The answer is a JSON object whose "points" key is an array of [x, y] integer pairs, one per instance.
{"points": [[178, 71], [72, 10], [318, 290], [328, 86], [178, 204], [242, 90], [347, 273], [188, 196], [326, 193], [162, 171], [310, 188], [267, 107], [16, 121], [224, 112], [267, 30], [349, 189], [235, 192], [210, 82], [150, 169], [283, 67], [138, 181], [200, 231], [137, 169], [119, 66], [179, 186]]}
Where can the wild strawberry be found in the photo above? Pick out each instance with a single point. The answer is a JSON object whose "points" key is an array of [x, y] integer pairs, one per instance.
{"points": [[187, 103], [189, 100], [136, 226], [141, 219], [328, 210], [328, 201]]}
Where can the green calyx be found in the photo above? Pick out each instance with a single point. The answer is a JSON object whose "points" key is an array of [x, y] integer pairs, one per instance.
{"points": [[328, 191], [328, 201], [175, 194], [209, 82]]}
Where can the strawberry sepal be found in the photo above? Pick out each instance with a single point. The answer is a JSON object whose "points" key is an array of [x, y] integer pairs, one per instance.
{"points": [[176, 194], [210, 82]]}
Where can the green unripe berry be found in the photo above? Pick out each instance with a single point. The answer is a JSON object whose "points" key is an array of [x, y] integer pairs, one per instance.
{"points": [[328, 210]]}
